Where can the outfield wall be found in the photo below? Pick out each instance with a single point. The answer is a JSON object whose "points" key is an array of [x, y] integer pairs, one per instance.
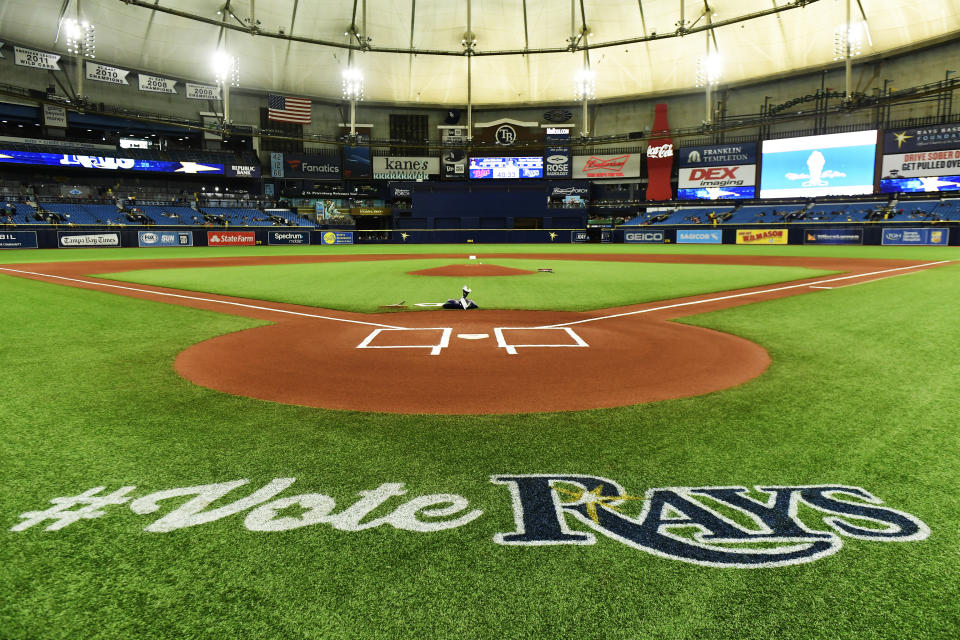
{"points": [[75, 237]]}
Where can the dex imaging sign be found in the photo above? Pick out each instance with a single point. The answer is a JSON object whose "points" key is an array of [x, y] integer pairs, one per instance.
{"points": [[718, 172]]}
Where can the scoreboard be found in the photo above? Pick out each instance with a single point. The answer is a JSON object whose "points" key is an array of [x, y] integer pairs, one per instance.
{"points": [[506, 167]]}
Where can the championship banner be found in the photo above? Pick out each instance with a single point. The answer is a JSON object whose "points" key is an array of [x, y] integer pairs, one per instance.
{"points": [[36, 59], [405, 168], [202, 92], [231, 238], [762, 236], [103, 73], [156, 84], [1, 51], [625, 165], [54, 116]]}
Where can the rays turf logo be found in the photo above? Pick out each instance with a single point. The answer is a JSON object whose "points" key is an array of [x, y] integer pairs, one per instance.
{"points": [[717, 526]]}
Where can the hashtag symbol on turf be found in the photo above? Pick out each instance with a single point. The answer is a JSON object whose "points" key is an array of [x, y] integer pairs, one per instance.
{"points": [[62, 514]]}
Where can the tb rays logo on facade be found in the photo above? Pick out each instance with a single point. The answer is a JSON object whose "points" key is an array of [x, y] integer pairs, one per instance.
{"points": [[505, 135], [724, 526]]}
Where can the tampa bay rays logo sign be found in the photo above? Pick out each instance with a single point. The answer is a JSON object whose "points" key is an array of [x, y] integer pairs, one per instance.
{"points": [[732, 526], [713, 526]]}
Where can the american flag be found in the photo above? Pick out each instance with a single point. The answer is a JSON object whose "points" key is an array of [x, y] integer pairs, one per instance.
{"points": [[285, 109]]}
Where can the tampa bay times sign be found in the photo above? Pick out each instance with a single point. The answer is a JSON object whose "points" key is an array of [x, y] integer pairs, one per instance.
{"points": [[723, 526]]}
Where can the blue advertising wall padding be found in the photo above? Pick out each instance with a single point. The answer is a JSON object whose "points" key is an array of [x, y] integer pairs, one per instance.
{"points": [[18, 239]]}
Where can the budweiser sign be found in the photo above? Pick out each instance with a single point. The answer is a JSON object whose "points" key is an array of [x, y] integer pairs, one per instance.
{"points": [[607, 166]]}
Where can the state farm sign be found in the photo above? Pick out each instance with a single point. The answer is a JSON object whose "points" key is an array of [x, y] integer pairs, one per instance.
{"points": [[231, 238], [625, 165]]}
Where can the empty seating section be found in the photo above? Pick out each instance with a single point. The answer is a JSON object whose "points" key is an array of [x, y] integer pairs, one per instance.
{"points": [[24, 213], [86, 213], [254, 217], [172, 215]]}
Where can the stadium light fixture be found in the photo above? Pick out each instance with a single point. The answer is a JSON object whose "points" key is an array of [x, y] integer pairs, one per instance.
{"points": [[226, 68], [709, 69], [854, 33], [584, 84], [351, 84], [81, 37]]}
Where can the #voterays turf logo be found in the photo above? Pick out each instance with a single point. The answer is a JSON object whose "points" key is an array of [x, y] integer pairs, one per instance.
{"points": [[713, 526]]}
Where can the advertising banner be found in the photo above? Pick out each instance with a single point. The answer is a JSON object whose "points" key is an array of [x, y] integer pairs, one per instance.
{"points": [[945, 162], [405, 168], [660, 157], [288, 237], [241, 170], [400, 191], [202, 92], [454, 164], [36, 59], [156, 84], [699, 236], [337, 237], [938, 237], [934, 137], [761, 236], [579, 236], [103, 73], [556, 162], [644, 237], [80, 239], [108, 163], [581, 189], [54, 116], [318, 167], [833, 236], [718, 155], [356, 162], [231, 238], [926, 184], [557, 134], [838, 164], [165, 238], [18, 239], [716, 183], [625, 165]]}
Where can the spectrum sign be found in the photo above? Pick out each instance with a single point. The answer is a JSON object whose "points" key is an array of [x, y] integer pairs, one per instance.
{"points": [[108, 163]]}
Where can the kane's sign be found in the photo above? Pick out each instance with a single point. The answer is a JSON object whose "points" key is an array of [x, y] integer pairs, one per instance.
{"points": [[724, 526]]}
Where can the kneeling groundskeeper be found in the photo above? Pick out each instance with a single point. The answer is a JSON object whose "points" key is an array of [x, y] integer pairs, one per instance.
{"points": [[463, 303]]}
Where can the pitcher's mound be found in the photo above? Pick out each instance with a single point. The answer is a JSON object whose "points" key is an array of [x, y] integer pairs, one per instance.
{"points": [[467, 270]]}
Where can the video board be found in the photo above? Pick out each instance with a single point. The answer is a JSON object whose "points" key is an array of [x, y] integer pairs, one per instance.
{"points": [[109, 163], [506, 167], [837, 164]]}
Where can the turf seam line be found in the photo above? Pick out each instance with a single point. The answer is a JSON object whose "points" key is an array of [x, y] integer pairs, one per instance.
{"points": [[199, 299], [741, 295]]}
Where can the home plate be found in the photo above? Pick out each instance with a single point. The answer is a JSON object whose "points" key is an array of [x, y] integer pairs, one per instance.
{"points": [[473, 336]]}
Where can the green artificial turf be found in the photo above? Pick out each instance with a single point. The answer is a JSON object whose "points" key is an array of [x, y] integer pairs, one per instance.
{"points": [[364, 286], [862, 391]]}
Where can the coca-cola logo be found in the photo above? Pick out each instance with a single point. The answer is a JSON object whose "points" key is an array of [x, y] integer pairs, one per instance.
{"points": [[660, 151]]}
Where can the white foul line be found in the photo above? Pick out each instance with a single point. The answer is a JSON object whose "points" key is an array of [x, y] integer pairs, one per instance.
{"points": [[737, 295], [853, 284], [199, 299]]}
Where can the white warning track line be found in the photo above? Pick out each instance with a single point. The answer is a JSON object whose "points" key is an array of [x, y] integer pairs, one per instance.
{"points": [[743, 295], [199, 299]]}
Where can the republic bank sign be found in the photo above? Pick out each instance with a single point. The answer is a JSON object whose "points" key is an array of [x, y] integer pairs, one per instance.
{"points": [[405, 167], [732, 526]]}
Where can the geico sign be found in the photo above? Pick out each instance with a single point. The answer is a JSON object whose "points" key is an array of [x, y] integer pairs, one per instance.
{"points": [[648, 236]]}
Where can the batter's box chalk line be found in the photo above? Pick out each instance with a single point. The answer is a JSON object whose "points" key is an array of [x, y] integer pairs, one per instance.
{"points": [[435, 349], [512, 348]]}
